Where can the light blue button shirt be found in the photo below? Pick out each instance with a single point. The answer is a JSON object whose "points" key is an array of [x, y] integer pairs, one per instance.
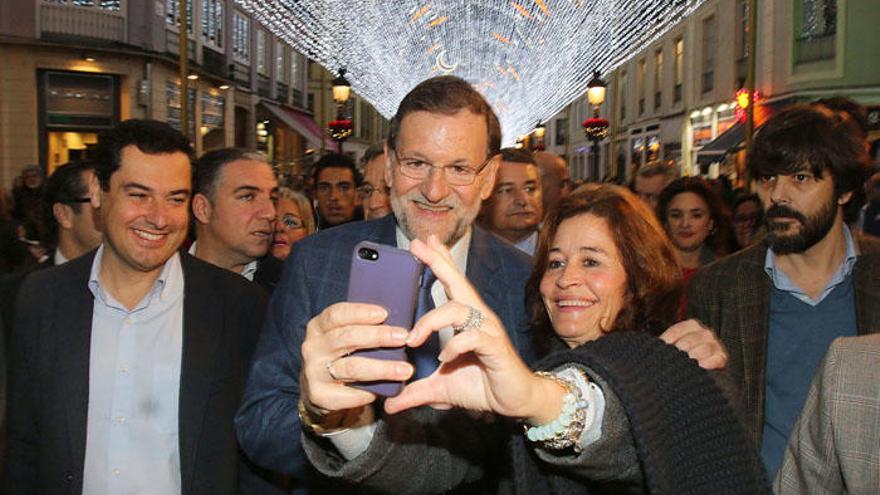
{"points": [[132, 444], [782, 282]]}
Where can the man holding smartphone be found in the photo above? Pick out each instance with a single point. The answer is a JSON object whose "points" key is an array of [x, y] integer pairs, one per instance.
{"points": [[441, 161]]}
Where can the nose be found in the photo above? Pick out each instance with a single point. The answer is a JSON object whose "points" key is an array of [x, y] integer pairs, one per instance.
{"points": [[434, 187], [157, 214], [569, 277], [519, 197], [779, 190], [267, 210]]}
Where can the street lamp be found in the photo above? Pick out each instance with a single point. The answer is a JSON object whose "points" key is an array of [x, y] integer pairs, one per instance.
{"points": [[595, 128], [540, 131], [341, 127]]}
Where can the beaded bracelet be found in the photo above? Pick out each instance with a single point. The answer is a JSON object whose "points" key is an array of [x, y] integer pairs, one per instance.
{"points": [[564, 431]]}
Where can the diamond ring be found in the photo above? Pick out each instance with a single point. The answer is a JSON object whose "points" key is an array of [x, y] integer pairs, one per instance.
{"points": [[474, 319]]}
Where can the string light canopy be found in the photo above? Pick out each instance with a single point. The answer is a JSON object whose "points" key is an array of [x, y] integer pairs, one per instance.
{"points": [[530, 58]]}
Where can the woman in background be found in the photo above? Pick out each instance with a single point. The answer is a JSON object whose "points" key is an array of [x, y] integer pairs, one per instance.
{"points": [[293, 221], [697, 223]]}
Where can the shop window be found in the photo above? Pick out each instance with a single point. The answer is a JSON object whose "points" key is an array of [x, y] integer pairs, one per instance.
{"points": [[172, 99]]}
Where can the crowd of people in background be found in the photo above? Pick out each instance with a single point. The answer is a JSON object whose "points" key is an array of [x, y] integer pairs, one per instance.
{"points": [[577, 282]]}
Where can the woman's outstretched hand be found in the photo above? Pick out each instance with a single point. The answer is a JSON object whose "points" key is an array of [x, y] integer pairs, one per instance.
{"points": [[480, 369]]}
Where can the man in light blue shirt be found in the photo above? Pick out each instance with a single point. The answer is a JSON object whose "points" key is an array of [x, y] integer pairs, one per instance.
{"points": [[778, 305], [127, 363]]}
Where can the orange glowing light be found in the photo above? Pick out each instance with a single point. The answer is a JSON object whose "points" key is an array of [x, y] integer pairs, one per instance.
{"points": [[543, 7], [742, 99], [438, 21], [522, 10], [420, 13], [500, 38]]}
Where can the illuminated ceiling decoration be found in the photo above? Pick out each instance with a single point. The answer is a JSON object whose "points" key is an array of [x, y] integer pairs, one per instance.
{"points": [[530, 58]]}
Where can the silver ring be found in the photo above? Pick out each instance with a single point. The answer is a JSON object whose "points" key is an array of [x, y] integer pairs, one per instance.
{"points": [[329, 368], [474, 320]]}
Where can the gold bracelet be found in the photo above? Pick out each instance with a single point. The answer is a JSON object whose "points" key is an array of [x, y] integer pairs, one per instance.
{"points": [[319, 424]]}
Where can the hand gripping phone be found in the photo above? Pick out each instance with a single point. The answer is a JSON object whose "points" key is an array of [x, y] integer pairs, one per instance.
{"points": [[388, 277]]}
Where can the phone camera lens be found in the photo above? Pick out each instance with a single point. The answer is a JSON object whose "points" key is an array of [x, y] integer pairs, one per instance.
{"points": [[368, 254]]}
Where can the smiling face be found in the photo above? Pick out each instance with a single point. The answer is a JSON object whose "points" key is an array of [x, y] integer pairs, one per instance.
{"points": [[289, 227], [688, 221], [238, 221], [584, 285], [145, 212], [432, 205]]}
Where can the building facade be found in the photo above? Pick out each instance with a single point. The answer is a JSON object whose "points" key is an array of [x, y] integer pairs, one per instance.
{"points": [[72, 68], [676, 98]]}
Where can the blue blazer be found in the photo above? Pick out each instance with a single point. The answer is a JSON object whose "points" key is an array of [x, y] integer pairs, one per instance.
{"points": [[316, 276]]}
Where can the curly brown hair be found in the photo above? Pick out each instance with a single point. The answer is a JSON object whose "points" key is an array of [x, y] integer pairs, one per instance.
{"points": [[653, 276]]}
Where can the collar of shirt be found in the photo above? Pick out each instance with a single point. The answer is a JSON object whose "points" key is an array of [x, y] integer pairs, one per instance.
{"points": [[168, 285], [59, 258], [528, 244], [247, 272], [782, 282]]}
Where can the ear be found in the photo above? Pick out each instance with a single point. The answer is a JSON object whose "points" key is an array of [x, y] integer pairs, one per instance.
{"points": [[202, 208], [488, 184], [844, 198], [95, 192], [63, 214]]}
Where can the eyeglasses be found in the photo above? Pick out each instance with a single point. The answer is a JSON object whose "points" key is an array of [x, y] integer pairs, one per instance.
{"points": [[365, 191], [292, 222], [456, 175], [326, 187]]}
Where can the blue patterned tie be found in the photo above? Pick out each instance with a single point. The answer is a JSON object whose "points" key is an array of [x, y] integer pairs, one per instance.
{"points": [[424, 357]]}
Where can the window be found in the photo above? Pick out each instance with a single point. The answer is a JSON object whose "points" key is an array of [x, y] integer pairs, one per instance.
{"points": [[241, 42], [262, 55], [742, 43], [816, 30], [294, 69], [111, 5], [679, 70], [172, 14], [658, 78], [641, 67], [709, 34], [561, 131], [280, 71], [212, 22], [624, 89]]}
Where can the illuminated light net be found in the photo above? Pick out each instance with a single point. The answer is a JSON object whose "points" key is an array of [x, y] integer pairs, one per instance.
{"points": [[530, 58]]}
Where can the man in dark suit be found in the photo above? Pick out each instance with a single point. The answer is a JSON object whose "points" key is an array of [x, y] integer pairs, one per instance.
{"points": [[778, 305], [234, 210], [127, 364], [70, 228], [442, 155]]}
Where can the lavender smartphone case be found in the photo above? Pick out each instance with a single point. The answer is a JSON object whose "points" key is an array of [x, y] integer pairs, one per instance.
{"points": [[388, 277]]}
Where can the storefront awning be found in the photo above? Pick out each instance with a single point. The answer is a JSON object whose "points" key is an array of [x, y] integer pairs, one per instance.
{"points": [[728, 141], [302, 123]]}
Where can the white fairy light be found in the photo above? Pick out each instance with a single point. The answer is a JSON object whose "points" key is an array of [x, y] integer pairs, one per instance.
{"points": [[530, 58]]}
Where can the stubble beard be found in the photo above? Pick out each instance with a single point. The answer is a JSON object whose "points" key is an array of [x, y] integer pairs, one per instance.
{"points": [[465, 218]]}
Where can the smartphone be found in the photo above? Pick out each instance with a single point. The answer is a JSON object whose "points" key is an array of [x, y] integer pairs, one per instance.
{"points": [[388, 277]]}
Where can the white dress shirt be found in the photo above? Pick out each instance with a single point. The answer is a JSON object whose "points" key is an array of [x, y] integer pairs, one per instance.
{"points": [[132, 444]]}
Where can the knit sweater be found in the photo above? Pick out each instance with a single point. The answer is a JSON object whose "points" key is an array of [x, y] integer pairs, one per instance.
{"points": [[688, 438]]}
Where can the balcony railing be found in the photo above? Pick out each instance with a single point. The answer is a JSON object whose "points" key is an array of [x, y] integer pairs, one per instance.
{"points": [[80, 22], [816, 48]]}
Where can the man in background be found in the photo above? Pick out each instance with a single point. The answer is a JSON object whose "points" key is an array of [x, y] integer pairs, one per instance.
{"points": [[374, 191], [336, 180], [555, 180], [515, 209], [650, 180], [234, 210]]}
